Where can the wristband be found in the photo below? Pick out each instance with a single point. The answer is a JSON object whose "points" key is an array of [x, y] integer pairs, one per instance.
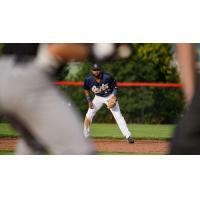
{"points": [[114, 92]]}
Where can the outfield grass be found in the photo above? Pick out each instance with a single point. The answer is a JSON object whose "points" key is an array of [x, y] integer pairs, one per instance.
{"points": [[140, 131]]}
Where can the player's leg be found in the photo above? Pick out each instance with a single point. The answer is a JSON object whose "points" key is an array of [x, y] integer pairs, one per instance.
{"points": [[27, 144], [38, 104], [121, 122], [97, 103], [56, 125], [22, 148], [5, 65]]}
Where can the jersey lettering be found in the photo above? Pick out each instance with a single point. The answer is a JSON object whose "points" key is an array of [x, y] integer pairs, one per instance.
{"points": [[101, 89]]}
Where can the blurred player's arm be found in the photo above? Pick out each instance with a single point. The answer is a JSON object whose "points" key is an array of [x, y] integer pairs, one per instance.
{"points": [[67, 51], [52, 56], [186, 59], [95, 51]]}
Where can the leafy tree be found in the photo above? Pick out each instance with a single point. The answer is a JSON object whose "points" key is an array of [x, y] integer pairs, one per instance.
{"points": [[149, 63]]}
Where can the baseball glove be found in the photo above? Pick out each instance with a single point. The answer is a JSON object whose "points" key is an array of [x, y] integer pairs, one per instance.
{"points": [[112, 102]]}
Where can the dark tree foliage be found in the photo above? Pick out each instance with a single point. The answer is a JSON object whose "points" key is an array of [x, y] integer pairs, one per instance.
{"points": [[149, 63]]}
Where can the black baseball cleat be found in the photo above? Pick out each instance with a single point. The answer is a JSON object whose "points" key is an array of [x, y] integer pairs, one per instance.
{"points": [[130, 139]]}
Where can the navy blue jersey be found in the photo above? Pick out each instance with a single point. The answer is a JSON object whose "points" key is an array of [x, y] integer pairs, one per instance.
{"points": [[104, 88]]}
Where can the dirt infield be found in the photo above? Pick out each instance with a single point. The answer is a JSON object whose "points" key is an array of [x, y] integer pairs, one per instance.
{"points": [[110, 146], [139, 147], [7, 144]]}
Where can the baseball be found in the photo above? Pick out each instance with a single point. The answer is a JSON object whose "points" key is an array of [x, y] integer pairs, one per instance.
{"points": [[103, 50]]}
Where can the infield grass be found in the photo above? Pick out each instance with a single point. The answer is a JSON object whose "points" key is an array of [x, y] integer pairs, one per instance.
{"points": [[140, 131]]}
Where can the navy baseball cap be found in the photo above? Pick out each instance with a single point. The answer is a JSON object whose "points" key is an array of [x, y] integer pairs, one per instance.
{"points": [[96, 66]]}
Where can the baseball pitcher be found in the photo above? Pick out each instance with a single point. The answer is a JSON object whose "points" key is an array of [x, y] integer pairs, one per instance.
{"points": [[35, 107], [105, 89]]}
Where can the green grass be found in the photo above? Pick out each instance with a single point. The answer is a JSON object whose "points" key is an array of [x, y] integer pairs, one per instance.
{"points": [[140, 131], [7, 152], [6, 130]]}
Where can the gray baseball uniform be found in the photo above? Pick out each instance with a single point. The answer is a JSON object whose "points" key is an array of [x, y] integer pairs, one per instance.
{"points": [[39, 110]]}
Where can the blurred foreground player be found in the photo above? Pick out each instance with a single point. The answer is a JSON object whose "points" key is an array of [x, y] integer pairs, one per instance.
{"points": [[186, 140], [35, 107]]}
